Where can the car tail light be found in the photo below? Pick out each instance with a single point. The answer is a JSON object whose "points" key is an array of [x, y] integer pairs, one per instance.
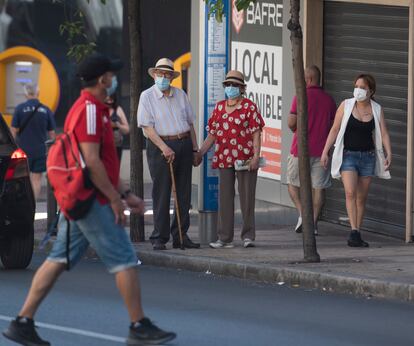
{"points": [[18, 154], [17, 166]]}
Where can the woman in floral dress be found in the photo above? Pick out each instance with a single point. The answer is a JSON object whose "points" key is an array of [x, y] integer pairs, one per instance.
{"points": [[235, 128]]}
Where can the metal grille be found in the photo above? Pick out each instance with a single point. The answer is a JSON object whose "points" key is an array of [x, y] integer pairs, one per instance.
{"points": [[373, 39]]}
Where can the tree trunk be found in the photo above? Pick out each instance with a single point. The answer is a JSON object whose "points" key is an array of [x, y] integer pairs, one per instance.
{"points": [[133, 9], [309, 241]]}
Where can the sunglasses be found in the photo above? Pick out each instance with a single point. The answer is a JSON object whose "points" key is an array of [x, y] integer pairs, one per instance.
{"points": [[237, 85], [163, 74]]}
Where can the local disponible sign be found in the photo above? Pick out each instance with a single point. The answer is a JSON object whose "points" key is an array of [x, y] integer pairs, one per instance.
{"points": [[256, 50]]}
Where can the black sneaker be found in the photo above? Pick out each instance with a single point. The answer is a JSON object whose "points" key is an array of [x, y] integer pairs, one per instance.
{"points": [[145, 332], [298, 227], [355, 240], [22, 330]]}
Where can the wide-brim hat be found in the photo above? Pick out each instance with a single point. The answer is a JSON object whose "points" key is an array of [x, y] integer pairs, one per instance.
{"points": [[96, 65], [164, 64], [234, 76]]}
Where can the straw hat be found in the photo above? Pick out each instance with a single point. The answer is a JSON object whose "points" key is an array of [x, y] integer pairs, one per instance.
{"points": [[234, 76], [164, 64]]}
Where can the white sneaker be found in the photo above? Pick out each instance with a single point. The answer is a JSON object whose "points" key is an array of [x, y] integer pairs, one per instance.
{"points": [[315, 232], [248, 243], [298, 228], [220, 244]]}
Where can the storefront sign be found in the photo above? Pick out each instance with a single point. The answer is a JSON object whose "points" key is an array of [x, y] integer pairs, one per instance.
{"points": [[256, 50]]}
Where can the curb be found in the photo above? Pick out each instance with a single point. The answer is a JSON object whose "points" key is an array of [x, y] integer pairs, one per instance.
{"points": [[288, 276], [295, 278]]}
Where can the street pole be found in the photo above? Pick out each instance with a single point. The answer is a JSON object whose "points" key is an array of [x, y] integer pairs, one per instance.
{"points": [[207, 202], [207, 226], [214, 60]]}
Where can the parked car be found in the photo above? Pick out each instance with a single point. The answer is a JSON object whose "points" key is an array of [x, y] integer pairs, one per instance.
{"points": [[17, 204]]}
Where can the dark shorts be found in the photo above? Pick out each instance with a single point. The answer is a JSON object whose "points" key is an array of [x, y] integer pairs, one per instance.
{"points": [[362, 162], [37, 165]]}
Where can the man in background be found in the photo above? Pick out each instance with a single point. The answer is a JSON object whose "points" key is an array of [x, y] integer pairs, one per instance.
{"points": [[321, 113], [31, 126]]}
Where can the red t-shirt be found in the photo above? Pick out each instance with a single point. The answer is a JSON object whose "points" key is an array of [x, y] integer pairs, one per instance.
{"points": [[234, 132], [94, 126], [321, 114]]}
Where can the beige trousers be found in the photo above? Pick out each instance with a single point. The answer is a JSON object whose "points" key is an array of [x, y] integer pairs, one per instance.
{"points": [[247, 191]]}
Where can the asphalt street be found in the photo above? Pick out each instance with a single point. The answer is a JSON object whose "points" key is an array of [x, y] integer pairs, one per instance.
{"points": [[85, 309]]}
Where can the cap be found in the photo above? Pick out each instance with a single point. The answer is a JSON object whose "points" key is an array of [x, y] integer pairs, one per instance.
{"points": [[95, 65]]}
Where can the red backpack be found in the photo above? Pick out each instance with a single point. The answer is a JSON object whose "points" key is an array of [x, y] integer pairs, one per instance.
{"points": [[68, 174]]}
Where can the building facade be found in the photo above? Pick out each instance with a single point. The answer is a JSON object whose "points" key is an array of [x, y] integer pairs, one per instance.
{"points": [[165, 26], [343, 38]]}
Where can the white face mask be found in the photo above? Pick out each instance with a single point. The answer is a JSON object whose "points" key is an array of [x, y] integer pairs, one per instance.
{"points": [[360, 94]]}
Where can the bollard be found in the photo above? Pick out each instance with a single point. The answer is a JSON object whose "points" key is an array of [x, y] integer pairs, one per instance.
{"points": [[207, 226], [51, 201]]}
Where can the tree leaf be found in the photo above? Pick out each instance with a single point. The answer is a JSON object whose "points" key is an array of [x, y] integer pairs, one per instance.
{"points": [[243, 4], [216, 8], [77, 39]]}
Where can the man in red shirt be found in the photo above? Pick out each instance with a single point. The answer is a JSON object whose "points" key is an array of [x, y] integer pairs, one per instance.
{"points": [[321, 113], [102, 226]]}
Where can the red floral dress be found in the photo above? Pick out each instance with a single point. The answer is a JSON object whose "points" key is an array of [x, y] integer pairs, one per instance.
{"points": [[234, 132]]}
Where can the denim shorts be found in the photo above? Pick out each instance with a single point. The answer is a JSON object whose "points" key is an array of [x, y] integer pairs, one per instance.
{"points": [[98, 228], [362, 162]]}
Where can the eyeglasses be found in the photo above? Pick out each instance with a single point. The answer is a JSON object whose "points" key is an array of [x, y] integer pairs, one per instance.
{"points": [[164, 74], [237, 85]]}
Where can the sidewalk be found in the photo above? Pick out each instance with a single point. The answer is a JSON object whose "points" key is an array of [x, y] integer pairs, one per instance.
{"points": [[383, 270]]}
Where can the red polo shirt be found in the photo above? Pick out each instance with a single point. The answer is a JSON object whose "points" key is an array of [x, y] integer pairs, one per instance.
{"points": [[94, 126], [321, 114]]}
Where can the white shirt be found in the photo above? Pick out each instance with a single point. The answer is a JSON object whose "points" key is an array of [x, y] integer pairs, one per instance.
{"points": [[168, 115]]}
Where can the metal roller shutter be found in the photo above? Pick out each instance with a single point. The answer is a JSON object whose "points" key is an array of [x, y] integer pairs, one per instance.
{"points": [[373, 39]]}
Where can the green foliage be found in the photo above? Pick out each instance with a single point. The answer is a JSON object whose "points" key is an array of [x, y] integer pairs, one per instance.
{"points": [[74, 29], [79, 46], [243, 4], [216, 7], [80, 50]]}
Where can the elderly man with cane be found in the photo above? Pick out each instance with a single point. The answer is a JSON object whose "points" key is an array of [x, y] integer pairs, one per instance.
{"points": [[166, 116]]}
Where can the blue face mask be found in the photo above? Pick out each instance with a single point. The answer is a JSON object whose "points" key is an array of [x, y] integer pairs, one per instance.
{"points": [[111, 90], [232, 92], [162, 83]]}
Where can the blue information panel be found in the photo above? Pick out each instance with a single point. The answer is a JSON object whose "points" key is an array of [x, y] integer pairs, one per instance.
{"points": [[216, 65]]}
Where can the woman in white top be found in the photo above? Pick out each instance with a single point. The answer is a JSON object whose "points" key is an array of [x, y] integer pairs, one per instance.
{"points": [[360, 135]]}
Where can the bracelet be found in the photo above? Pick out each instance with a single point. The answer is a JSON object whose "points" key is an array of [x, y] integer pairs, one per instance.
{"points": [[125, 194], [196, 150]]}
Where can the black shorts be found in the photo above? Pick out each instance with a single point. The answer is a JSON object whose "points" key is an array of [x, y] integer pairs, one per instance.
{"points": [[37, 165]]}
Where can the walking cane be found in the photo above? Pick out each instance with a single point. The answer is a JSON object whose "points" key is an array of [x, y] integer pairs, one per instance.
{"points": [[177, 209]]}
